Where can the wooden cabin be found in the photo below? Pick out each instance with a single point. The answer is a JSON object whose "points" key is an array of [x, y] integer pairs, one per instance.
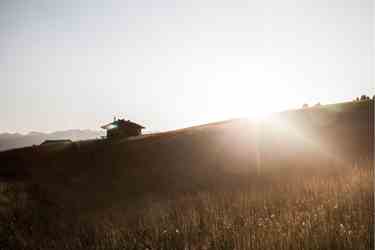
{"points": [[122, 129]]}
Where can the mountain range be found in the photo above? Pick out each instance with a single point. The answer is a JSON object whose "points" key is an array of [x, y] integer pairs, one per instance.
{"points": [[16, 140]]}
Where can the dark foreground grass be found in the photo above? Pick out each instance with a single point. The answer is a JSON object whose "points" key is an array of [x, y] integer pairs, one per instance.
{"points": [[318, 210]]}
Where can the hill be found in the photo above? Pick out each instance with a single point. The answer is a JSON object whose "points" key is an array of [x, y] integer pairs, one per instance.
{"points": [[312, 149], [193, 157]]}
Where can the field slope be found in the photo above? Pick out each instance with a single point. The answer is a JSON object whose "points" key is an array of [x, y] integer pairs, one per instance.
{"points": [[301, 179]]}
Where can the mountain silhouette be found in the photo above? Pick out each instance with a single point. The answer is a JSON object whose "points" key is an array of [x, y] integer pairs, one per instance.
{"points": [[16, 140]]}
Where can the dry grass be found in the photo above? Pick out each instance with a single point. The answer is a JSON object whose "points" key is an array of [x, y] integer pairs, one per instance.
{"points": [[322, 210], [221, 186]]}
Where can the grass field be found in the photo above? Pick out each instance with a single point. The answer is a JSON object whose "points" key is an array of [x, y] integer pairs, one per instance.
{"points": [[229, 185], [325, 210]]}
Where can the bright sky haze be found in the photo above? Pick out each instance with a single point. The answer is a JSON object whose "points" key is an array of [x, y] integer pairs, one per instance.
{"points": [[172, 64]]}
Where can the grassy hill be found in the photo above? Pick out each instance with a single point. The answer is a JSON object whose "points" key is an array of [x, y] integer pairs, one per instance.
{"points": [[185, 158], [289, 151]]}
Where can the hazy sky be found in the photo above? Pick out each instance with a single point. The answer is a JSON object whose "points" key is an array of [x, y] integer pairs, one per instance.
{"points": [[170, 64]]}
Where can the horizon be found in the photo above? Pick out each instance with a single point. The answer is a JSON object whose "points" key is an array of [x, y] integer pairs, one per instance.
{"points": [[252, 119], [171, 65]]}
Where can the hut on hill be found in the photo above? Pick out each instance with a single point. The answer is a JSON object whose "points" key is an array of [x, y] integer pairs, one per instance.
{"points": [[122, 129]]}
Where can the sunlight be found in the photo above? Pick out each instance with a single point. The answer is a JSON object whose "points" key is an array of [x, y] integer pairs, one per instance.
{"points": [[253, 102], [258, 115]]}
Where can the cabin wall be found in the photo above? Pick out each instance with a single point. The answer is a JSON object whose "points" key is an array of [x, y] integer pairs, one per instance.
{"points": [[123, 133]]}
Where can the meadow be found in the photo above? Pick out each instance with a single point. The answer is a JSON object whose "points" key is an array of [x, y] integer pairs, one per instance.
{"points": [[324, 209], [304, 181]]}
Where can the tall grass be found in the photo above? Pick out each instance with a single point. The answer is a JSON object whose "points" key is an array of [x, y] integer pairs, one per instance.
{"points": [[320, 210]]}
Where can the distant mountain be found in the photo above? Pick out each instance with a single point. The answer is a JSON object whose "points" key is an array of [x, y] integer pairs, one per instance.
{"points": [[16, 140]]}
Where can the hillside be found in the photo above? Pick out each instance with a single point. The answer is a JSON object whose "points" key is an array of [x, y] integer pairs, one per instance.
{"points": [[97, 173], [301, 179]]}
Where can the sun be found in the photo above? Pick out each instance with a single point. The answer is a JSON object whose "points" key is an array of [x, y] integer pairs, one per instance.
{"points": [[254, 108], [251, 101], [258, 115]]}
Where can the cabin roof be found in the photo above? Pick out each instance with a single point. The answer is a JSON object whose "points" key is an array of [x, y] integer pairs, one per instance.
{"points": [[121, 123]]}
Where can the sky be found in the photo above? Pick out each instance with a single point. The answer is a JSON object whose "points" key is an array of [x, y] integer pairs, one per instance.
{"points": [[172, 64]]}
